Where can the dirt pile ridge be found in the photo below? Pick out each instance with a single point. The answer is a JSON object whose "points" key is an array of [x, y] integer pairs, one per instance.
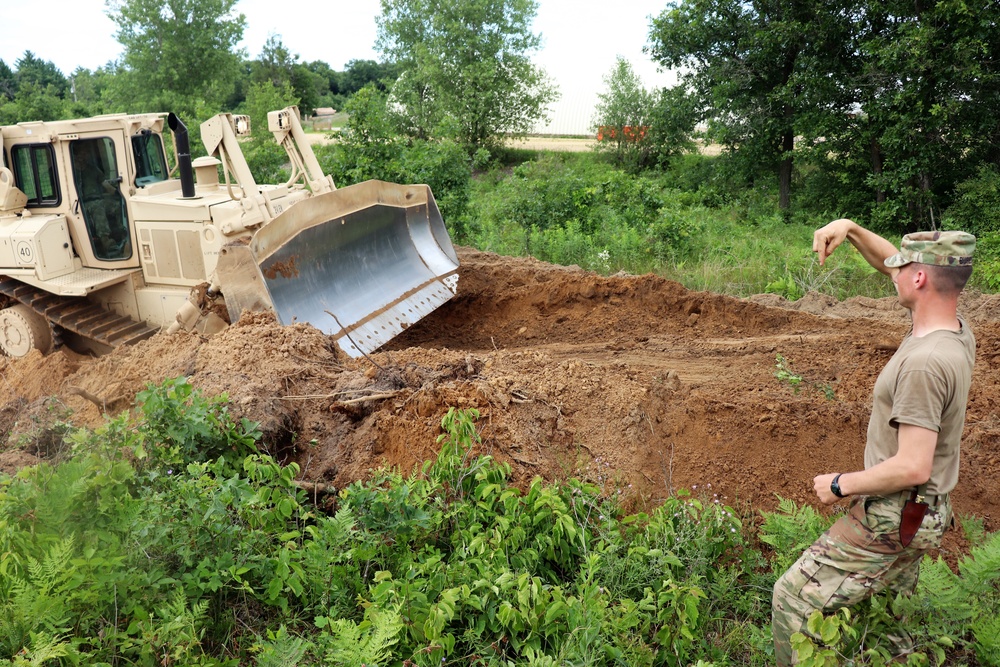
{"points": [[634, 379]]}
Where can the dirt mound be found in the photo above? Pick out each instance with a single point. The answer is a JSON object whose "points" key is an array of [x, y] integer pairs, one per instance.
{"points": [[632, 381]]}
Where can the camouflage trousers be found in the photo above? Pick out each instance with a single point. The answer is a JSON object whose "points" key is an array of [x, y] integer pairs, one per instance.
{"points": [[859, 556]]}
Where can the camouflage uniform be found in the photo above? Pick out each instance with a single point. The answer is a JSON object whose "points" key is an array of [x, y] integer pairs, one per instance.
{"points": [[858, 557], [937, 248], [861, 555]]}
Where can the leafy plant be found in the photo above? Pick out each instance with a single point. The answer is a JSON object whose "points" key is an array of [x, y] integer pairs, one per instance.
{"points": [[105, 558], [785, 375], [790, 530], [828, 631], [786, 287], [180, 426]]}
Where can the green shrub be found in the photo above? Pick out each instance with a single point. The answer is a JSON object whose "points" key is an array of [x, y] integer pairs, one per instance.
{"points": [[571, 209], [372, 147], [684, 539], [986, 272], [976, 208], [702, 176], [182, 426], [108, 559], [268, 162]]}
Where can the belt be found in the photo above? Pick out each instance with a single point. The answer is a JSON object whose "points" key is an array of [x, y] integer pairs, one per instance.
{"points": [[901, 497]]}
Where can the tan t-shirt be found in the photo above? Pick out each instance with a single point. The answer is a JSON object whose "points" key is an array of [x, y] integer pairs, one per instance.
{"points": [[926, 384]]}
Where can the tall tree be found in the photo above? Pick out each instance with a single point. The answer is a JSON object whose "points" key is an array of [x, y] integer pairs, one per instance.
{"points": [[896, 98], [33, 102], [179, 54], [926, 82], [39, 91], [622, 116], [744, 60], [8, 82], [279, 67], [359, 73], [466, 63], [274, 64], [87, 90], [44, 73]]}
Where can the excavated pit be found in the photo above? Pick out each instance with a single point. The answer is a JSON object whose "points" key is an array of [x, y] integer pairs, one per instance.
{"points": [[631, 379]]}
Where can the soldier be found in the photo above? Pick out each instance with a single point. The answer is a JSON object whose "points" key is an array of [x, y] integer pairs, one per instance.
{"points": [[900, 504], [100, 200]]}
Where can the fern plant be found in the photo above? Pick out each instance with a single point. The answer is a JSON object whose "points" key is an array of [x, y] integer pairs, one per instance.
{"points": [[963, 607], [36, 604], [369, 642], [44, 648], [280, 649], [174, 635], [986, 634], [790, 530]]}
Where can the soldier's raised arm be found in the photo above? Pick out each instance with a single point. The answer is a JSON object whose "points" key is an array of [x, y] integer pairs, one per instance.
{"points": [[872, 247]]}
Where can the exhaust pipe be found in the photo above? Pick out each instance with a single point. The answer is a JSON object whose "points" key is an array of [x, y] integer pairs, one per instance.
{"points": [[183, 155]]}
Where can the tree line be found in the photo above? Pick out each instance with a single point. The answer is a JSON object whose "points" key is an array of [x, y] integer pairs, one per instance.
{"points": [[457, 68], [880, 110], [35, 89], [884, 106]]}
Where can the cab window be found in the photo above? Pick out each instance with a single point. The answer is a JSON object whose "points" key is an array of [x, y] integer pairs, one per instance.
{"points": [[150, 163], [34, 168], [95, 173]]}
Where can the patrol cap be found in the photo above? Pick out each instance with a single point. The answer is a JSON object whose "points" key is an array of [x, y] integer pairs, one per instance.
{"points": [[937, 248]]}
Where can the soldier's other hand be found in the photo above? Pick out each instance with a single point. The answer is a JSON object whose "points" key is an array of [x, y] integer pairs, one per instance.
{"points": [[821, 485], [827, 238]]}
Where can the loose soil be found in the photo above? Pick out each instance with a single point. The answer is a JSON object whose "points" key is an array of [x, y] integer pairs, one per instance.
{"points": [[631, 381]]}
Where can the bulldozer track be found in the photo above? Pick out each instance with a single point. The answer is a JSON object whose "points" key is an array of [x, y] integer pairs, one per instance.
{"points": [[78, 315]]}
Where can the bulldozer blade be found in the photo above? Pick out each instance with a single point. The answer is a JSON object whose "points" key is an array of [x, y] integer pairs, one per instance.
{"points": [[362, 264]]}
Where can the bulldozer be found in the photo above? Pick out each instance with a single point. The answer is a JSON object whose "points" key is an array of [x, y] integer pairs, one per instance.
{"points": [[104, 243]]}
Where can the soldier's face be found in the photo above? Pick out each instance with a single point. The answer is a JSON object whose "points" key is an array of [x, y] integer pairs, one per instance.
{"points": [[903, 279]]}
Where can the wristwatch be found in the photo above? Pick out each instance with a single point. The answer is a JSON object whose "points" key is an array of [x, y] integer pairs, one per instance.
{"points": [[835, 486]]}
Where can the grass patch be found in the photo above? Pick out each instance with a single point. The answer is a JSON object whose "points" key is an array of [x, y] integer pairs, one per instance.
{"points": [[685, 224]]}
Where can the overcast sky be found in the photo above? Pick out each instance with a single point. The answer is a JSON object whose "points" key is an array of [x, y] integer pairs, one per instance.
{"points": [[581, 39]]}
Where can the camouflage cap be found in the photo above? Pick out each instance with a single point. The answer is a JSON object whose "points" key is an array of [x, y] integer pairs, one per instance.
{"points": [[937, 248]]}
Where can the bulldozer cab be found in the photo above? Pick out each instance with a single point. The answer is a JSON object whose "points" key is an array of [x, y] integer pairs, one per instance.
{"points": [[95, 173]]}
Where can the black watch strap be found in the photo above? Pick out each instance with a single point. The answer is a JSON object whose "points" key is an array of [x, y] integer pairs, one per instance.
{"points": [[835, 486]]}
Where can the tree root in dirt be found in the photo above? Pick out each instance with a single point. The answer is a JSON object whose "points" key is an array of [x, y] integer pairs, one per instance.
{"points": [[101, 403]]}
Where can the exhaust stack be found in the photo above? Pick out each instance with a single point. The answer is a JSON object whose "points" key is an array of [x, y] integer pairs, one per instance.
{"points": [[183, 155]]}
